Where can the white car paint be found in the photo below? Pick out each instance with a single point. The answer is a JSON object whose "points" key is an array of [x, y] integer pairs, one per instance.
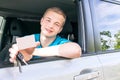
{"points": [[55, 70], [111, 65]]}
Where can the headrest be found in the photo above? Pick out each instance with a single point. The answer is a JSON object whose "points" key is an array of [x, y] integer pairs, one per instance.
{"points": [[16, 28], [67, 28]]}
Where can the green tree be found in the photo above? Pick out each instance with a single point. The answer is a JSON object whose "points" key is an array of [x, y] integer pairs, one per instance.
{"points": [[117, 37], [104, 42], [106, 33]]}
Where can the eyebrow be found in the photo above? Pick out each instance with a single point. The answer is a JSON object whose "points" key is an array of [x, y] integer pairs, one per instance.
{"points": [[50, 19], [47, 17]]}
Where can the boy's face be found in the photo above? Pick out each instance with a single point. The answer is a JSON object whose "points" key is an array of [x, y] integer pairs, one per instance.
{"points": [[51, 24]]}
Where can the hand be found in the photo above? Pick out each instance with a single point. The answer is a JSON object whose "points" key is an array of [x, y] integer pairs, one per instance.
{"points": [[27, 53]]}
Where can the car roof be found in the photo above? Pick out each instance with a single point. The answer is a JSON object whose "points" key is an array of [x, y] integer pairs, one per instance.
{"points": [[35, 8]]}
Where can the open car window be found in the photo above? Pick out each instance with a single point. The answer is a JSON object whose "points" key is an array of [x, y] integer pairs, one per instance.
{"points": [[21, 22]]}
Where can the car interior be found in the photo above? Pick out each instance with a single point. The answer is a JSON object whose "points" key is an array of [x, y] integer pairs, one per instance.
{"points": [[23, 18]]}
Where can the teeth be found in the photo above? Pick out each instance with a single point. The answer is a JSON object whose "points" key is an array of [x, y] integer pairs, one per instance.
{"points": [[48, 30]]}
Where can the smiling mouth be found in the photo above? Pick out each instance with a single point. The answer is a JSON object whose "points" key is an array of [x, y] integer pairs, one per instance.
{"points": [[48, 30]]}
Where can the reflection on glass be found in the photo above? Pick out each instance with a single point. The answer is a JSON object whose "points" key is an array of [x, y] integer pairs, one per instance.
{"points": [[1, 18], [108, 20]]}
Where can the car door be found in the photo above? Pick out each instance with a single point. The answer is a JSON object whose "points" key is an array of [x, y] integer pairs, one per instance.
{"points": [[84, 68], [87, 67]]}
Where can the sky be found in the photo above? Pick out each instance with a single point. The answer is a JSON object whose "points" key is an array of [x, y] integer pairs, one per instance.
{"points": [[108, 16]]}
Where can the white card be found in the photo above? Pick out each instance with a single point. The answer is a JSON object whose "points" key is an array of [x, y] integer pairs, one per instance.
{"points": [[25, 42]]}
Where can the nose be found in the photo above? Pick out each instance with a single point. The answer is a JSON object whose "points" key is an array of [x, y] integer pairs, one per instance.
{"points": [[51, 25]]}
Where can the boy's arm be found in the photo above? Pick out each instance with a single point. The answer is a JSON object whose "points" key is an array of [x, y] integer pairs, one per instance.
{"points": [[68, 50]]}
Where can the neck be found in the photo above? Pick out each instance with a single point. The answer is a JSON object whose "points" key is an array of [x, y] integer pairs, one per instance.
{"points": [[46, 41]]}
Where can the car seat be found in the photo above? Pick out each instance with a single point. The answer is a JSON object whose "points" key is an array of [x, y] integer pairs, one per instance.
{"points": [[16, 29], [67, 31]]}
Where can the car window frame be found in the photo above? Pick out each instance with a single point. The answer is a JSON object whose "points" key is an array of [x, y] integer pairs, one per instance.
{"points": [[96, 31], [43, 59]]}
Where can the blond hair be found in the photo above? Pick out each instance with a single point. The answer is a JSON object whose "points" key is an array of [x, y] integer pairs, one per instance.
{"points": [[57, 10]]}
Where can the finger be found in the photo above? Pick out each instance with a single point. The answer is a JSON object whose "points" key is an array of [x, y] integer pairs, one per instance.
{"points": [[11, 60], [13, 51], [13, 56], [14, 46]]}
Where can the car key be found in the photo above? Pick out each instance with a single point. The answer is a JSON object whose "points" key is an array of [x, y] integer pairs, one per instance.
{"points": [[20, 57], [19, 65]]}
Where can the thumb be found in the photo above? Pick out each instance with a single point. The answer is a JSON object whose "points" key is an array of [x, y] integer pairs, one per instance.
{"points": [[37, 43]]}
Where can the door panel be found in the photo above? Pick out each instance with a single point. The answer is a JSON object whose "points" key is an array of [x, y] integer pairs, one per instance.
{"points": [[74, 69], [111, 65]]}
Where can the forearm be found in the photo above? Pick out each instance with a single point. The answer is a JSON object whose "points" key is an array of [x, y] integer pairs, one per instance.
{"points": [[68, 50], [47, 51]]}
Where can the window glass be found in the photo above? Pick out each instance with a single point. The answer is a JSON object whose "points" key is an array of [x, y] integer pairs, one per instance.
{"points": [[1, 28], [108, 23]]}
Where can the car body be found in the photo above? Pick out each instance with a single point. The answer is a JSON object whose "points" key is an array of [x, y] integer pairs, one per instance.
{"points": [[93, 24]]}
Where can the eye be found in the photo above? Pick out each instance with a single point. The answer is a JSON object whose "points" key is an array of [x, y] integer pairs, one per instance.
{"points": [[48, 20], [57, 24]]}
